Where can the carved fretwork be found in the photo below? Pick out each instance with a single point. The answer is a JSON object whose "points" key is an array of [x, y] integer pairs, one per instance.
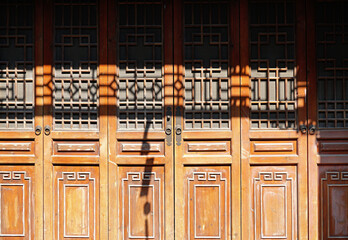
{"points": [[273, 65], [75, 72], [16, 64], [332, 63], [206, 59], [140, 56]]}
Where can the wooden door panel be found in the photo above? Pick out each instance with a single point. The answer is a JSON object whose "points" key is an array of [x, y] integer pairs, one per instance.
{"points": [[21, 156], [207, 141], [140, 113], [75, 109], [17, 201], [333, 202], [141, 202], [76, 202], [274, 155], [207, 202], [328, 148], [274, 204]]}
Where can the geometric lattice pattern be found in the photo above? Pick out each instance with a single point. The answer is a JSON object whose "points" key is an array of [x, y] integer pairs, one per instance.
{"points": [[16, 64], [206, 59], [75, 76], [140, 56], [273, 65], [332, 63]]}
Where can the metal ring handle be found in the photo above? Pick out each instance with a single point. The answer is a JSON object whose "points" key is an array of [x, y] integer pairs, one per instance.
{"points": [[47, 130]]}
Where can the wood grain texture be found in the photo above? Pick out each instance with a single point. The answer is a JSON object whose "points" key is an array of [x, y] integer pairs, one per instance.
{"points": [[17, 201], [76, 202], [274, 204]]}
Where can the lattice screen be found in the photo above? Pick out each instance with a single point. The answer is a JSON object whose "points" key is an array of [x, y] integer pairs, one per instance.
{"points": [[16, 64], [273, 65], [206, 57], [75, 77], [140, 55], [332, 63]]}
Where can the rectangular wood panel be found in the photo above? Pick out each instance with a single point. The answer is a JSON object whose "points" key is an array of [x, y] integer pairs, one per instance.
{"points": [[333, 198], [141, 202], [16, 202], [207, 202], [76, 191], [274, 205]]}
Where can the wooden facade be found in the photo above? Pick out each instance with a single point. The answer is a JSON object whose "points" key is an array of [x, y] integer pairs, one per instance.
{"points": [[173, 119]]}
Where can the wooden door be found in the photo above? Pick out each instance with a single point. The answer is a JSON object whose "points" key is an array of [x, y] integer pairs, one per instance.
{"points": [[75, 136], [328, 119], [21, 140], [206, 109], [274, 139], [140, 79]]}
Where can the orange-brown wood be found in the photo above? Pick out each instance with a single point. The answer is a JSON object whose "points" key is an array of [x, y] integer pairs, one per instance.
{"points": [[273, 148], [207, 161], [140, 160]]}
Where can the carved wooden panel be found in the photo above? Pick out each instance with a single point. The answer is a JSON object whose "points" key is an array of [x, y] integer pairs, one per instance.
{"points": [[16, 64], [77, 148], [141, 202], [273, 65], [140, 56], [16, 202], [333, 202], [75, 71], [273, 147], [274, 202], [76, 200], [211, 147], [140, 148], [332, 63], [206, 59], [207, 202]]}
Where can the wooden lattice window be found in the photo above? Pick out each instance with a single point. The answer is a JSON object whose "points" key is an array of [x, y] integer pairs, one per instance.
{"points": [[16, 64], [206, 60], [75, 71], [273, 65], [140, 56], [332, 63]]}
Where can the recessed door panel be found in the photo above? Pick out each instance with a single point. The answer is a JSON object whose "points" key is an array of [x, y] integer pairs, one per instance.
{"points": [[274, 139], [327, 143]]}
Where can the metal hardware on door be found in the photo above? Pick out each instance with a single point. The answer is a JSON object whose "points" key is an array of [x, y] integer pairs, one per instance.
{"points": [[47, 130], [303, 128], [38, 130], [168, 130], [311, 129], [178, 130]]}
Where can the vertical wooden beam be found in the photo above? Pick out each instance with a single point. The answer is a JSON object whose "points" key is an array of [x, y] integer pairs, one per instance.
{"points": [[103, 118], [300, 44], [245, 119], [235, 71], [39, 148], [47, 101]]}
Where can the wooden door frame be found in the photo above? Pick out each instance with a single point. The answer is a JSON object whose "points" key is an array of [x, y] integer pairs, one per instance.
{"points": [[233, 161], [117, 159], [301, 163], [98, 161], [316, 158]]}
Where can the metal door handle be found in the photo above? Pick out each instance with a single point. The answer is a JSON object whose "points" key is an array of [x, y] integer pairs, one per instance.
{"points": [[178, 130], [312, 129], [303, 128], [47, 130], [38, 130]]}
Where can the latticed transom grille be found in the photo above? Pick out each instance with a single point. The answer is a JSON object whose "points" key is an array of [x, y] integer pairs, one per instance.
{"points": [[75, 72], [140, 76], [206, 58], [16, 64], [332, 63], [273, 65]]}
